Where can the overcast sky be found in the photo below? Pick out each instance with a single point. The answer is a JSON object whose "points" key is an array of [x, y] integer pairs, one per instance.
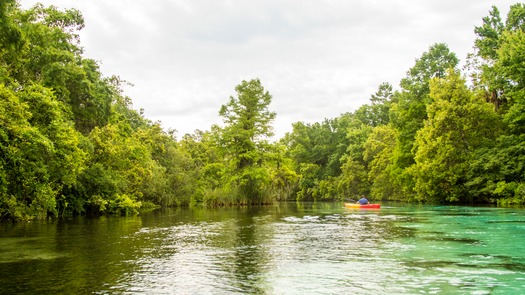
{"points": [[318, 59]]}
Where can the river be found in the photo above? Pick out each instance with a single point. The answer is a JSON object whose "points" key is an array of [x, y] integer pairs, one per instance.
{"points": [[286, 248]]}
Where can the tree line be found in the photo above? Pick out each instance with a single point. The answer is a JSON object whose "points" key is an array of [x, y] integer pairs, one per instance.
{"points": [[71, 142]]}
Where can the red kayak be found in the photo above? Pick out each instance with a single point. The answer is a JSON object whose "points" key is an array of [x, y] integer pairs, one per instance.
{"points": [[367, 206]]}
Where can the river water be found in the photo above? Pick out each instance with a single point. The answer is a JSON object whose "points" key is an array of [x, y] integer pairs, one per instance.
{"points": [[287, 248]]}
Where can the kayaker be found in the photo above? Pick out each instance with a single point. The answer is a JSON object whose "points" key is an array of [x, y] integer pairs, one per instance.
{"points": [[363, 201]]}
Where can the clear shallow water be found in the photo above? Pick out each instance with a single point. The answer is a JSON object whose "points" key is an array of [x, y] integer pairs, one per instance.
{"points": [[295, 248]]}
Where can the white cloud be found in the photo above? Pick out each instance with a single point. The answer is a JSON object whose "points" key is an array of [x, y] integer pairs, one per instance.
{"points": [[317, 58]]}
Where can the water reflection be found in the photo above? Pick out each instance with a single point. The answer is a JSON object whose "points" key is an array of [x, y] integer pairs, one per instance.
{"points": [[292, 248], [67, 256]]}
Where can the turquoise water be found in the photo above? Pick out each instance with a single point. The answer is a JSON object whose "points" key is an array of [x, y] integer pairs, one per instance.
{"points": [[293, 248]]}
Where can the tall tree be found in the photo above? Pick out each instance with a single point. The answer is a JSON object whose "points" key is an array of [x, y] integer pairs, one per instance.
{"points": [[409, 112], [379, 148], [52, 57], [11, 41], [248, 126], [10, 35], [316, 150], [458, 124], [39, 153], [488, 34], [377, 113], [511, 58], [497, 173], [487, 43], [353, 179]]}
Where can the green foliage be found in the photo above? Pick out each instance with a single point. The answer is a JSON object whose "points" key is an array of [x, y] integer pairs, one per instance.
{"points": [[354, 168], [496, 172], [209, 160], [409, 111], [284, 181], [488, 34], [432, 64], [377, 113], [516, 195], [323, 145], [25, 188], [308, 181], [499, 46], [439, 141], [354, 180], [248, 124], [379, 150], [10, 35], [459, 123], [71, 142], [510, 65], [124, 205], [52, 57]]}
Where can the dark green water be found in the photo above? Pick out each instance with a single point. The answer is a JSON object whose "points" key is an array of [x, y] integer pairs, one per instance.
{"points": [[291, 248]]}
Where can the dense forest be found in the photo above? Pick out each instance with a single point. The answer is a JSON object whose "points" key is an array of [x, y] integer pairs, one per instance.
{"points": [[71, 142]]}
